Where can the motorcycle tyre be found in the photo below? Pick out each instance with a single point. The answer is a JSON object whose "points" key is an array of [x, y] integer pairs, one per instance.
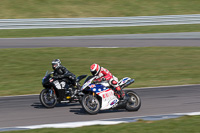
{"points": [[133, 108], [43, 102], [85, 107]]}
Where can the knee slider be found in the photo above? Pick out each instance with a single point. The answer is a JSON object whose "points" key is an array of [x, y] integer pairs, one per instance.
{"points": [[114, 82]]}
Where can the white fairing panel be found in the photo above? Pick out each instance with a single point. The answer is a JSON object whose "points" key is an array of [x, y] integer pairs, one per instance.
{"points": [[124, 80], [87, 83], [105, 83], [109, 100], [57, 84]]}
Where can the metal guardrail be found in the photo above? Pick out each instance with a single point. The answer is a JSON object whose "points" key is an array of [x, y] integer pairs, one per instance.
{"points": [[98, 22]]}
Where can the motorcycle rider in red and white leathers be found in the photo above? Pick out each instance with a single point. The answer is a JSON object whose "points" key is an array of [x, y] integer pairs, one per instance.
{"points": [[103, 74]]}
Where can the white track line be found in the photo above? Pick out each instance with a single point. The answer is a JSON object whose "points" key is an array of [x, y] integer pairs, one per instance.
{"points": [[103, 47], [101, 122]]}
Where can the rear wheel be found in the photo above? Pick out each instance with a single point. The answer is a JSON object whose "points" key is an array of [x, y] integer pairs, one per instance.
{"points": [[48, 98], [134, 101], [90, 104]]}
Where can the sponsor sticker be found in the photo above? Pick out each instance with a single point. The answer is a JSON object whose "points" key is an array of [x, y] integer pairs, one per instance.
{"points": [[113, 102]]}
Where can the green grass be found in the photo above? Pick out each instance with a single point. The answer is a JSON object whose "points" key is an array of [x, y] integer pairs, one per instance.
{"points": [[95, 8], [22, 70], [98, 31], [186, 124]]}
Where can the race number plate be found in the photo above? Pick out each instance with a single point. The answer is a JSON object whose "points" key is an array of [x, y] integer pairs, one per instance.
{"points": [[57, 84]]}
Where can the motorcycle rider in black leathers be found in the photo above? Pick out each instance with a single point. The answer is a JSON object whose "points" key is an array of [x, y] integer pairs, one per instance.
{"points": [[61, 73]]}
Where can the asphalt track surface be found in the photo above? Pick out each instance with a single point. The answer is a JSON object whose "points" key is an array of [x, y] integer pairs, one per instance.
{"points": [[27, 110], [130, 40]]}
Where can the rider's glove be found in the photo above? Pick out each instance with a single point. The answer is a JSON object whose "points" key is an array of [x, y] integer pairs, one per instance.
{"points": [[103, 79], [60, 76], [95, 81], [55, 77]]}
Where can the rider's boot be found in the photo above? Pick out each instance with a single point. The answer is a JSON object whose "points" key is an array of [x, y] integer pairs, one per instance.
{"points": [[122, 98], [120, 92]]}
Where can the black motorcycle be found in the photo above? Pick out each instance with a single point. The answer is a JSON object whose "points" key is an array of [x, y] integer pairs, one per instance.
{"points": [[58, 91]]}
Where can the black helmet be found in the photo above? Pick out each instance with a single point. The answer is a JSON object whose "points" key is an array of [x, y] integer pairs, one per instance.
{"points": [[56, 63]]}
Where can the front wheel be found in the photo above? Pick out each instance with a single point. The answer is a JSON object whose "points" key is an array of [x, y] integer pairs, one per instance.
{"points": [[90, 104], [48, 98], [134, 101]]}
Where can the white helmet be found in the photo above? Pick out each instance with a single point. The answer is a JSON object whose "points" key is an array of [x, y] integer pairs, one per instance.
{"points": [[56, 63]]}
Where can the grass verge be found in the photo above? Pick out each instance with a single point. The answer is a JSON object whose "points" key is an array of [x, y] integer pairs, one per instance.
{"points": [[98, 31], [95, 8], [186, 124], [22, 70]]}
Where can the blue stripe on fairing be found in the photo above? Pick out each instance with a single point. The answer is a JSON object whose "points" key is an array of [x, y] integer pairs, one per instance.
{"points": [[97, 88]]}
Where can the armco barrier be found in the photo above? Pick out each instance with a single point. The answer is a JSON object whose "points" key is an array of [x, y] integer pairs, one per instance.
{"points": [[98, 22]]}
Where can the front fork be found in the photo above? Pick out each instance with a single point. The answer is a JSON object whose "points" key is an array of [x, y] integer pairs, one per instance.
{"points": [[91, 97], [51, 92]]}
